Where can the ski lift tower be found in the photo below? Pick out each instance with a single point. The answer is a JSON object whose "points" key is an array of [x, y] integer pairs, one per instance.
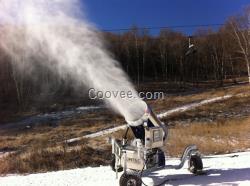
{"points": [[191, 47]]}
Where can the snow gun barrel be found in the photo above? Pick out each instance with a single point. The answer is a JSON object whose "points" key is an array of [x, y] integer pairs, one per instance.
{"points": [[149, 119]]}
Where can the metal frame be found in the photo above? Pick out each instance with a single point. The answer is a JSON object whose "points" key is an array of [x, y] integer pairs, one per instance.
{"points": [[118, 150]]}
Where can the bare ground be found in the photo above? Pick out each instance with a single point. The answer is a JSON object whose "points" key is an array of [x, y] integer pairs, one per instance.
{"points": [[218, 128]]}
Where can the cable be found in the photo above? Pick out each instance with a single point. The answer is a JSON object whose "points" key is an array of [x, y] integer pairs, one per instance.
{"points": [[164, 27], [163, 182], [126, 133]]}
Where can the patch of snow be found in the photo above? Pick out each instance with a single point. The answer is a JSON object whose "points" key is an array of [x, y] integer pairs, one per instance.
{"points": [[228, 169], [89, 108], [193, 106], [96, 134], [52, 117]]}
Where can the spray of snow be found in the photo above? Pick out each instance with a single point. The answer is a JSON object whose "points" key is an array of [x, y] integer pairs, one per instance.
{"points": [[56, 34]]}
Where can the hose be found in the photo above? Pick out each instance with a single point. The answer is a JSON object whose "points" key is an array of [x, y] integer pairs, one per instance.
{"points": [[164, 181]]}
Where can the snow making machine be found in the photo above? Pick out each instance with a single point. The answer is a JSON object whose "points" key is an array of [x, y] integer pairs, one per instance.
{"points": [[144, 153]]}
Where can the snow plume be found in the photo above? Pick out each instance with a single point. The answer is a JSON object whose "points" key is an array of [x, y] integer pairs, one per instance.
{"points": [[56, 34]]}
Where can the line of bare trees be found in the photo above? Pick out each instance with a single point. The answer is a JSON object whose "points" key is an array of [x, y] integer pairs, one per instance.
{"points": [[219, 55]]}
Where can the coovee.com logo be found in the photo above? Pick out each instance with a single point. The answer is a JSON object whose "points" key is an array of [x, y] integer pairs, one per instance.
{"points": [[121, 94]]}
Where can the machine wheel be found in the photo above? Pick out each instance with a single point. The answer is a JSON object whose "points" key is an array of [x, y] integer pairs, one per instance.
{"points": [[161, 158], [112, 164], [130, 179], [195, 164]]}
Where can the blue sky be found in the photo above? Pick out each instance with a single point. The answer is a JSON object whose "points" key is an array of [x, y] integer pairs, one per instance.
{"points": [[113, 14]]}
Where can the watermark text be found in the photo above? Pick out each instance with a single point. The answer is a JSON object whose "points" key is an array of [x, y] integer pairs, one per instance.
{"points": [[97, 94]]}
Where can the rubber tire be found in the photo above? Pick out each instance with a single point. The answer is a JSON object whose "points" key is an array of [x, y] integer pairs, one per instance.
{"points": [[195, 164], [161, 158], [130, 177], [112, 164]]}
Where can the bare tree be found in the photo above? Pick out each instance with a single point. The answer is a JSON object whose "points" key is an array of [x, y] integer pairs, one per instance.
{"points": [[241, 30]]}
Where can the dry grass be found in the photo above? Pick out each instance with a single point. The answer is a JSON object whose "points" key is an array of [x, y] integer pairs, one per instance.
{"points": [[175, 101], [222, 136], [41, 149], [25, 138], [42, 158], [212, 138], [234, 107]]}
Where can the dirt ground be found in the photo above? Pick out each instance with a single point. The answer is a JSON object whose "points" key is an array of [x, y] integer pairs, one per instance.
{"points": [[216, 128]]}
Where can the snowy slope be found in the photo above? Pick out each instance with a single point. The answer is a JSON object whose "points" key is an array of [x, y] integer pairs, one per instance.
{"points": [[229, 169]]}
